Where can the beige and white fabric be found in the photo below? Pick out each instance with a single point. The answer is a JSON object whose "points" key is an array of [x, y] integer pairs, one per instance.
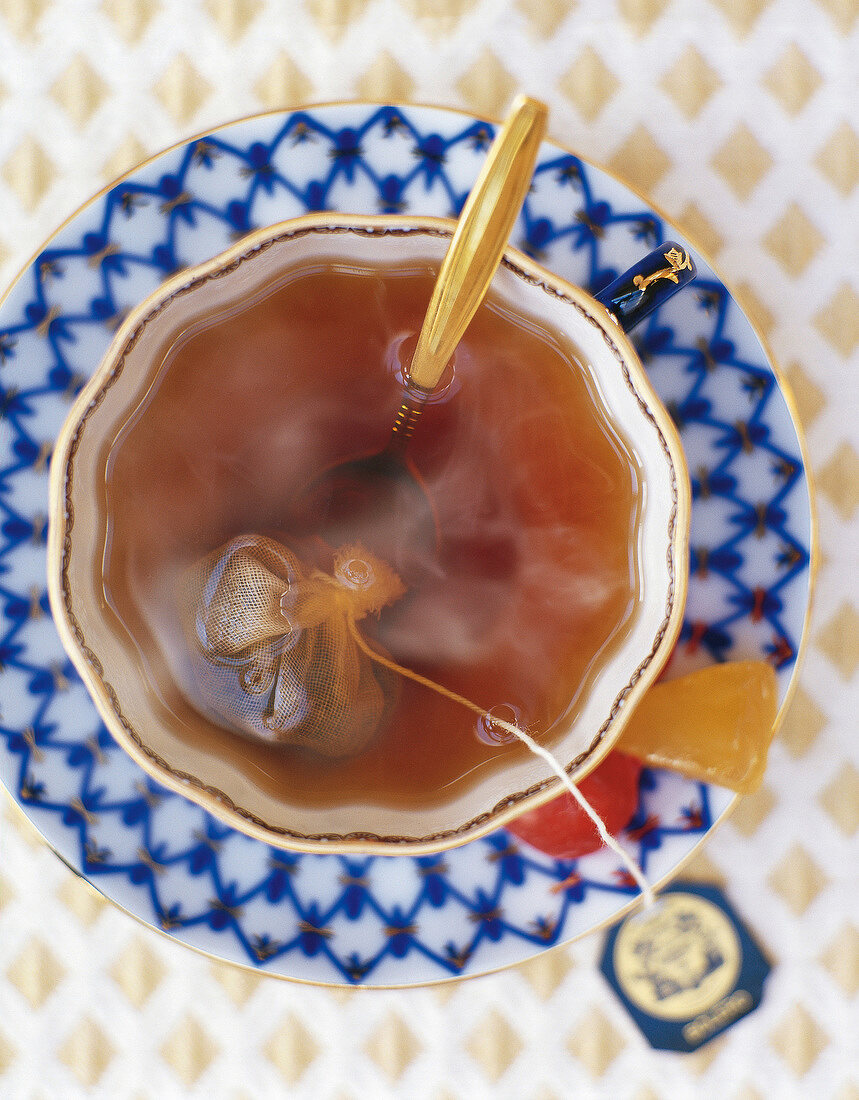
{"points": [[740, 118]]}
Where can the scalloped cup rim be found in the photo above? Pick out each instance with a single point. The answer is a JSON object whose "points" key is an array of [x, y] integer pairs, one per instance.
{"points": [[70, 608]]}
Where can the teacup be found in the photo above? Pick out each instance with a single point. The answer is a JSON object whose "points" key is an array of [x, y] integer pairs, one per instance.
{"points": [[123, 658]]}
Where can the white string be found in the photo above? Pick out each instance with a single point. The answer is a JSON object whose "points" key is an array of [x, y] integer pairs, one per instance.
{"points": [[606, 837], [538, 750]]}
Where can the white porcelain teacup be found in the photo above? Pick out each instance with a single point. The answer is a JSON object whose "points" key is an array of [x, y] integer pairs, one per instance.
{"points": [[126, 674]]}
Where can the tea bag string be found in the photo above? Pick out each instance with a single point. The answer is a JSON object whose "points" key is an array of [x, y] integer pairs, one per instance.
{"points": [[538, 750]]}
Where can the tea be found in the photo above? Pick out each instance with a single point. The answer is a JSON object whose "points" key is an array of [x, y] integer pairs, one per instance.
{"points": [[534, 580]]}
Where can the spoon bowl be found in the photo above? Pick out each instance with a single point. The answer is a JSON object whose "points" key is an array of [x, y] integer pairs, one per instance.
{"points": [[379, 501]]}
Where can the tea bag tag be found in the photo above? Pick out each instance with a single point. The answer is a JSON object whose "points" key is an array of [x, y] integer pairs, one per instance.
{"points": [[685, 968]]}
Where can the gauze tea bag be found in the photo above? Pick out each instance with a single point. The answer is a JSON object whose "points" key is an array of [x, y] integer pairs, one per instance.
{"points": [[273, 649]]}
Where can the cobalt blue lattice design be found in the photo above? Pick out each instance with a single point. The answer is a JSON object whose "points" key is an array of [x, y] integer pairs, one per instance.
{"points": [[327, 918]]}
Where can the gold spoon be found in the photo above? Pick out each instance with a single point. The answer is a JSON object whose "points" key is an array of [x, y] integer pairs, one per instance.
{"points": [[378, 499], [478, 244]]}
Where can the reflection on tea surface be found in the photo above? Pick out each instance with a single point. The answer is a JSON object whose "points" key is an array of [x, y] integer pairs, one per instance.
{"points": [[531, 586]]}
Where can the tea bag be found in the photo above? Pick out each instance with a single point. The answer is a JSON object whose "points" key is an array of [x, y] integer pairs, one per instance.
{"points": [[274, 651]]}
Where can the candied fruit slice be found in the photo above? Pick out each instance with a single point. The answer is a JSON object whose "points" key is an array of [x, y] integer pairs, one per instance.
{"points": [[715, 725]]}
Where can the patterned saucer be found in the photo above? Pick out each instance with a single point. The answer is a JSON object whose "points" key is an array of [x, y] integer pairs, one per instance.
{"points": [[376, 921]]}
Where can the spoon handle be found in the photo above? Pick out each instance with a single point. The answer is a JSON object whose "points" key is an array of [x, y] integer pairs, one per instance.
{"points": [[478, 244]]}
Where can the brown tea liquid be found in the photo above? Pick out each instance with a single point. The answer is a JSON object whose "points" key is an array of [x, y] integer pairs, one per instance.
{"points": [[534, 581]]}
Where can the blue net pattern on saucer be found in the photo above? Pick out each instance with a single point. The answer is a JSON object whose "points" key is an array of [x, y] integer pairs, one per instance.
{"points": [[327, 917]]}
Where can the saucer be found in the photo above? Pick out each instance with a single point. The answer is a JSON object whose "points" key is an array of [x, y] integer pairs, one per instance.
{"points": [[375, 921]]}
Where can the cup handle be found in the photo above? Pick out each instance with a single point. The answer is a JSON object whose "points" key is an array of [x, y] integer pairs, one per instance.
{"points": [[648, 284]]}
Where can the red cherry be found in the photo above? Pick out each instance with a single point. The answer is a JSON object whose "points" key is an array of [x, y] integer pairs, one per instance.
{"points": [[561, 828]]}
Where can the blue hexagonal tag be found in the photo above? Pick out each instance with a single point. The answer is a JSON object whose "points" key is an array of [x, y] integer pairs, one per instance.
{"points": [[686, 968]]}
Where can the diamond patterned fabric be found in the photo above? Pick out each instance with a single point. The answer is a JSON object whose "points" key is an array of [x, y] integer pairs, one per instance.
{"points": [[739, 119]]}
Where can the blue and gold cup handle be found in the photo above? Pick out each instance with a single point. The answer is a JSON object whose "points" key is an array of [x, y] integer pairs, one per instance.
{"points": [[648, 284]]}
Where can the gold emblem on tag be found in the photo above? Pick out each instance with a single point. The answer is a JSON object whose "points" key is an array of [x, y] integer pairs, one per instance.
{"points": [[679, 958]]}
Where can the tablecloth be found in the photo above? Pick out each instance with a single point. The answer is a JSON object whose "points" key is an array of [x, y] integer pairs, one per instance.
{"points": [[740, 118]]}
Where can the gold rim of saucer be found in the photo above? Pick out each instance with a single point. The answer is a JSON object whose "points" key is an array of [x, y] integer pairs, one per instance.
{"points": [[214, 799]]}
